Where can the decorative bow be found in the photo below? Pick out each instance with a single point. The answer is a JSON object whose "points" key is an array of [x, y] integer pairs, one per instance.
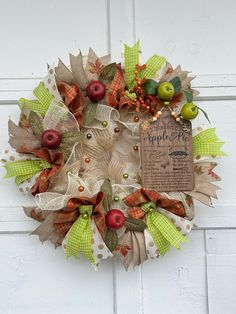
{"points": [[56, 224], [80, 233], [144, 204], [42, 103], [73, 99], [206, 143], [56, 162]]}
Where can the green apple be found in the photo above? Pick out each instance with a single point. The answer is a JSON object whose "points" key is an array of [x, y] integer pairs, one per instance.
{"points": [[189, 111], [166, 90]]}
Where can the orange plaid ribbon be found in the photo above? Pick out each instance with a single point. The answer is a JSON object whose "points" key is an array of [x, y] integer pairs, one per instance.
{"points": [[56, 160], [135, 200], [73, 99]]}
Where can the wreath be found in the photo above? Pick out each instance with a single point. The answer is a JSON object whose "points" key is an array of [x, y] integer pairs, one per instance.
{"points": [[109, 154]]}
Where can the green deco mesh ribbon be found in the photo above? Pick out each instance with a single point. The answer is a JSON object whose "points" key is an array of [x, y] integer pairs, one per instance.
{"points": [[42, 102], [131, 56], [206, 143], [80, 235], [163, 231], [25, 169]]}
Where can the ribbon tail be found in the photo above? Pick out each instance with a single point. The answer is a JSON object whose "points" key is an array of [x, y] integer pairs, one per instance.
{"points": [[131, 55], [162, 225], [80, 239], [162, 244], [153, 64]]}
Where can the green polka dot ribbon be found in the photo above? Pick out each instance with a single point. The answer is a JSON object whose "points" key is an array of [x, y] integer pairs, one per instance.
{"points": [[41, 104], [131, 58], [206, 143], [163, 231], [25, 169], [80, 235]]}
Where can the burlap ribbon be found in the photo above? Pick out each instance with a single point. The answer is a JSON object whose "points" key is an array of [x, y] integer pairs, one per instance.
{"points": [[144, 204]]}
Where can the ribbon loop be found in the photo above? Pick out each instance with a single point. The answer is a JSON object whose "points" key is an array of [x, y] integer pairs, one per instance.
{"points": [[80, 235]]}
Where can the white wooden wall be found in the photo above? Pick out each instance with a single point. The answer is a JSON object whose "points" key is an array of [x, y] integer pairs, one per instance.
{"points": [[200, 35]]}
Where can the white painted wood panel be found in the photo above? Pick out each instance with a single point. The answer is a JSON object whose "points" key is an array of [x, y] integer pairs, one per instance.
{"points": [[38, 279], [198, 35], [221, 270]]}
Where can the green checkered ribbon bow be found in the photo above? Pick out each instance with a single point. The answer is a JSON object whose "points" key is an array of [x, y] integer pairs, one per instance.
{"points": [[25, 169], [163, 231], [131, 56], [42, 102], [206, 143], [80, 235]]}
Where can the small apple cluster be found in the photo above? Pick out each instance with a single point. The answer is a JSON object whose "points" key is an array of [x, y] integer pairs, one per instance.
{"points": [[146, 89]]}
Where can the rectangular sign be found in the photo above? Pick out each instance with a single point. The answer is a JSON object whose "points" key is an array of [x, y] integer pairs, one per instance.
{"points": [[166, 155]]}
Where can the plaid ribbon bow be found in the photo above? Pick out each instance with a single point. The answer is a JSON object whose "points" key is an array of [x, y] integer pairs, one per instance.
{"points": [[163, 231], [56, 162]]}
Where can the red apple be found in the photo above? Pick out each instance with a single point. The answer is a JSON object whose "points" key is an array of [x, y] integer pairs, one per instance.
{"points": [[51, 139], [115, 219], [96, 91]]}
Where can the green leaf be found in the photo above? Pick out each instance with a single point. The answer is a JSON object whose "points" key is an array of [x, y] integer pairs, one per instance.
{"points": [[176, 82], [135, 224], [72, 137], [106, 188], [189, 96], [111, 239], [36, 123], [150, 87], [108, 73], [205, 114], [89, 113]]}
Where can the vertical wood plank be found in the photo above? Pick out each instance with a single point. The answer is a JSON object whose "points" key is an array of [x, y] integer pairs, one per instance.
{"points": [[128, 291], [176, 283], [221, 270]]}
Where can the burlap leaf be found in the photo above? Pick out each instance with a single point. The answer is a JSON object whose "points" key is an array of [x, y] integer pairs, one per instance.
{"points": [[111, 239], [108, 73], [106, 188], [133, 224], [71, 137], [36, 123], [89, 113]]}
